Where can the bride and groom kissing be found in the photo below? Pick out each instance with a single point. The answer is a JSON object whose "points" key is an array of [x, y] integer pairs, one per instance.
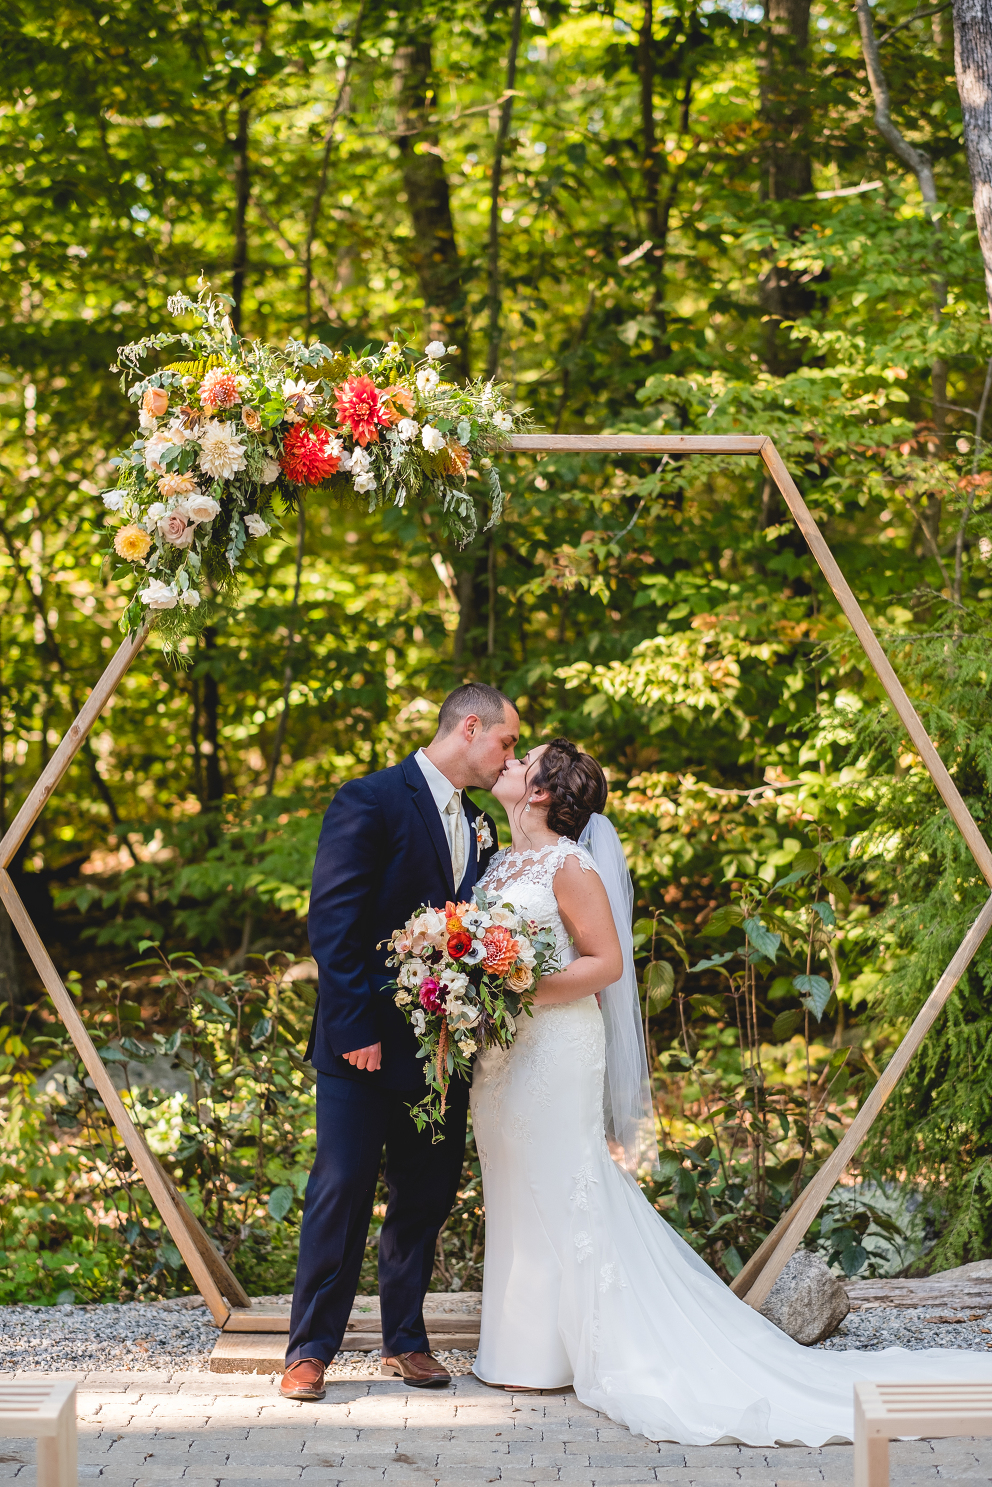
{"points": [[585, 1284]]}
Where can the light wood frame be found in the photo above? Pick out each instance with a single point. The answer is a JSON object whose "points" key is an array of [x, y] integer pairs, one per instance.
{"points": [[209, 1270]]}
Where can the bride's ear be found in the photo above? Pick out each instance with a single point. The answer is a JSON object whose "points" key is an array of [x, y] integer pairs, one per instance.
{"points": [[540, 796]]}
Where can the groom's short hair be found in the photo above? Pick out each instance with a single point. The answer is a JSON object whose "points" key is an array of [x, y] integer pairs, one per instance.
{"points": [[488, 704]]}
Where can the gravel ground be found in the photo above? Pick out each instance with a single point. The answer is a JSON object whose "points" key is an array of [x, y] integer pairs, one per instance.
{"points": [[910, 1327], [154, 1336]]}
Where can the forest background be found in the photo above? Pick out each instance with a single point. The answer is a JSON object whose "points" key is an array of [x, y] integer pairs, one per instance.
{"points": [[643, 217]]}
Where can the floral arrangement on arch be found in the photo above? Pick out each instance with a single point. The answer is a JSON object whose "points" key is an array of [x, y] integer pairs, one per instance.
{"points": [[237, 423], [466, 973]]}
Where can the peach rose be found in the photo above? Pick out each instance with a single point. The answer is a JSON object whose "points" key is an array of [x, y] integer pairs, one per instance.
{"points": [[252, 419], [155, 401], [520, 979]]}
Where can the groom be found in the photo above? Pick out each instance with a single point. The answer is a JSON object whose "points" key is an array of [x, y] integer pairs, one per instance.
{"points": [[390, 842]]}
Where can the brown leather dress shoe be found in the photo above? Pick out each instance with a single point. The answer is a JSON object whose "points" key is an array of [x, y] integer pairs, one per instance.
{"points": [[419, 1369], [303, 1379]]}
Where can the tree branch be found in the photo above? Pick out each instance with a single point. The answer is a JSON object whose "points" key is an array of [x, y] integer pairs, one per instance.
{"points": [[506, 113]]}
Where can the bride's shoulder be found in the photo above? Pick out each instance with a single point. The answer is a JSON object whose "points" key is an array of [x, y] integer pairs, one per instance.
{"points": [[571, 859]]}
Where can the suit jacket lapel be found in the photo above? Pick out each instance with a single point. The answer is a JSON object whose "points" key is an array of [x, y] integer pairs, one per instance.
{"points": [[431, 816], [472, 864]]}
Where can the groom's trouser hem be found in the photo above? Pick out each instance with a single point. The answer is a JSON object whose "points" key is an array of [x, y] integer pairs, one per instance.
{"points": [[354, 1122]]}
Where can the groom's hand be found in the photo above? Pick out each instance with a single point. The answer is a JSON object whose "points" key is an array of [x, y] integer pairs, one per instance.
{"points": [[366, 1058]]}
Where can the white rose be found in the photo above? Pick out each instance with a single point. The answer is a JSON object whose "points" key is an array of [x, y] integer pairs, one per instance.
{"points": [[147, 421], [154, 449], [407, 429], [270, 471], [364, 483], [435, 350], [201, 508], [114, 500], [431, 438], [256, 526], [159, 595], [427, 380], [190, 597], [156, 511], [503, 421], [504, 915], [358, 461], [526, 954], [462, 1014]]}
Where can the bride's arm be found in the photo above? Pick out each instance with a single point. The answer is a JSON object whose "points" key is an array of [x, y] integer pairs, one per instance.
{"points": [[586, 914]]}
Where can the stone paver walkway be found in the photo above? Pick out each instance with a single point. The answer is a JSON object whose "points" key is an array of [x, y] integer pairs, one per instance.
{"points": [[203, 1430]]}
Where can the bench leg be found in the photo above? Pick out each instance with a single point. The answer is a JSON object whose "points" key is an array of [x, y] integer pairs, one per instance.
{"points": [[58, 1455], [871, 1460]]}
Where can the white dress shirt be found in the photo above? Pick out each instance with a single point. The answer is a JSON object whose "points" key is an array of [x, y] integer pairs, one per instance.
{"points": [[441, 787]]}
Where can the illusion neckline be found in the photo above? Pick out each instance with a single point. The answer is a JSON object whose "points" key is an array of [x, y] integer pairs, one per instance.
{"points": [[532, 851]]}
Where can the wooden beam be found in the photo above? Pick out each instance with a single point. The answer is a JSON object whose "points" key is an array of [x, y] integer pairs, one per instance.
{"points": [[767, 1263], [69, 746], [177, 1225], [638, 443]]}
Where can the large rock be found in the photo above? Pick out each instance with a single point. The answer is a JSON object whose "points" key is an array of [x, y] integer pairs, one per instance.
{"points": [[807, 1301]]}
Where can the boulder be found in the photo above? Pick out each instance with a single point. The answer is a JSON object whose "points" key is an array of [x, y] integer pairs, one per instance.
{"points": [[807, 1301]]}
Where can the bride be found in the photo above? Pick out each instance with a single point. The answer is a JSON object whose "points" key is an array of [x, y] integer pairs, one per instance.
{"points": [[585, 1284]]}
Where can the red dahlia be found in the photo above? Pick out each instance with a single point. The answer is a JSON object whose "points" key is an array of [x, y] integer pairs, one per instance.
{"points": [[359, 406], [459, 944], [310, 454]]}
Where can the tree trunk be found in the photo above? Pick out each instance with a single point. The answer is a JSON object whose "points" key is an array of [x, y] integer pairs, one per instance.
{"points": [[242, 179], [920, 164], [214, 780], [10, 981], [784, 91], [496, 180], [435, 251], [973, 69]]}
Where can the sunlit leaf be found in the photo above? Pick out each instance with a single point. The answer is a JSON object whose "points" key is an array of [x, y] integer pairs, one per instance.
{"points": [[659, 984], [281, 1200], [762, 939], [825, 912], [837, 887]]}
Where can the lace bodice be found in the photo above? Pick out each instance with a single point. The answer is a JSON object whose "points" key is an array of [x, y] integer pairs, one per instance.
{"points": [[526, 880]]}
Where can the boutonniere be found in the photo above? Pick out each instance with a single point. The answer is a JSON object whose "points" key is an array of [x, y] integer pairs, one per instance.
{"points": [[483, 836]]}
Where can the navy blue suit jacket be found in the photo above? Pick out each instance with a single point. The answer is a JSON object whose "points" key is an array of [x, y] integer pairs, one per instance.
{"points": [[382, 853]]}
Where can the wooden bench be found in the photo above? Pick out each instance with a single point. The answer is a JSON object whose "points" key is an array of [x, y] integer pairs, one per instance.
{"points": [[46, 1411], [884, 1412]]}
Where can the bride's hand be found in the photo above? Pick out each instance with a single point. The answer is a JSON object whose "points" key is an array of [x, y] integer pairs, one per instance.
{"points": [[586, 914]]}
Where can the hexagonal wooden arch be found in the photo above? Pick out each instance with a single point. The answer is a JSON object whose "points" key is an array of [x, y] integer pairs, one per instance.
{"points": [[209, 1270]]}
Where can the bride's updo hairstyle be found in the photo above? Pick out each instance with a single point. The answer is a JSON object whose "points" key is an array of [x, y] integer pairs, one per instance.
{"points": [[575, 784]]}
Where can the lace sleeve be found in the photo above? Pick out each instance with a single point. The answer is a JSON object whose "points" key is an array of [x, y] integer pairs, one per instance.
{"points": [[566, 849]]}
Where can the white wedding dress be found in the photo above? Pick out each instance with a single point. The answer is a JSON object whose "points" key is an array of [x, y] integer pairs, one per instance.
{"points": [[585, 1284]]}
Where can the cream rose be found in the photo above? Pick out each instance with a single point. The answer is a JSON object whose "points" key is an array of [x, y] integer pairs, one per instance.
{"points": [[520, 979], [201, 508]]}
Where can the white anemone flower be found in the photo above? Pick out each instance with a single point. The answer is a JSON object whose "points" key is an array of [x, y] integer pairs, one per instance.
{"points": [[427, 380]]}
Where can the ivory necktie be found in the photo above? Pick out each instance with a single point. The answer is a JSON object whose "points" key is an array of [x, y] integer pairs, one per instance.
{"points": [[456, 836]]}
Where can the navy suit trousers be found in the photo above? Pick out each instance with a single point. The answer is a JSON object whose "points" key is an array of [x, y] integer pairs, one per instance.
{"points": [[354, 1122]]}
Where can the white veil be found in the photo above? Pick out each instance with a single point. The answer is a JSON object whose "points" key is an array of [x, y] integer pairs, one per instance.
{"points": [[627, 1092]]}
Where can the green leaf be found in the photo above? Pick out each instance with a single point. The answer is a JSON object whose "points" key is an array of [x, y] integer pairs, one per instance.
{"points": [[714, 960], [644, 927], [134, 1047], [785, 1024], [825, 912], [65, 1298], [837, 887], [144, 945], [261, 1031], [170, 1255], [113, 1056], [815, 993], [668, 1165], [805, 862], [218, 1003], [733, 1264], [281, 1200], [762, 939], [853, 1259], [172, 1043], [685, 1183], [659, 984], [728, 916]]}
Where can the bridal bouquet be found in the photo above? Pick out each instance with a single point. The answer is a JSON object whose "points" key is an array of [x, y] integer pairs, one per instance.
{"points": [[236, 423], [465, 972]]}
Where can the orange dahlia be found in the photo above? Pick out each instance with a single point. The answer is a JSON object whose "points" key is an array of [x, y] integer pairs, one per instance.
{"points": [[310, 454], [360, 408], [501, 949]]}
